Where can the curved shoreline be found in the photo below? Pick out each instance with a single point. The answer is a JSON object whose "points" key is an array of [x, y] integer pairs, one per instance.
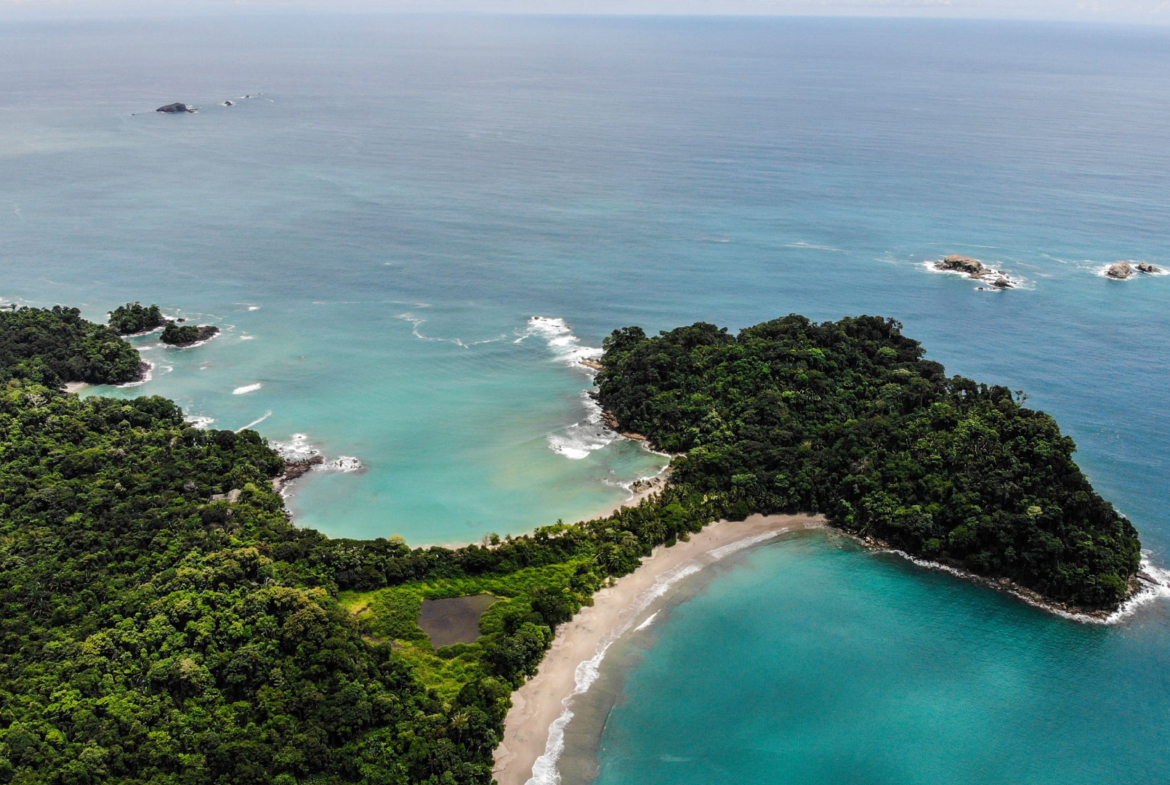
{"points": [[533, 729]]}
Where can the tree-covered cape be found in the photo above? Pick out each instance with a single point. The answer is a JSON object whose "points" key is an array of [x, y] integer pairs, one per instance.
{"points": [[847, 418], [55, 346]]}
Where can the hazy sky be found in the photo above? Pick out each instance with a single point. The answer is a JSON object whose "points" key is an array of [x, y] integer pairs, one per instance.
{"points": [[1126, 11]]}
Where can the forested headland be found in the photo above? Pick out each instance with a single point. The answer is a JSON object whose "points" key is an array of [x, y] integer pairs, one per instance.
{"points": [[151, 634], [847, 418]]}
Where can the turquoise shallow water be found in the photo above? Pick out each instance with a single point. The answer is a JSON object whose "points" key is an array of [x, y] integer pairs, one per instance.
{"points": [[812, 660], [377, 228]]}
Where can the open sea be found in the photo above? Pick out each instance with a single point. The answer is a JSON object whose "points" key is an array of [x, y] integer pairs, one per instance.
{"points": [[415, 225]]}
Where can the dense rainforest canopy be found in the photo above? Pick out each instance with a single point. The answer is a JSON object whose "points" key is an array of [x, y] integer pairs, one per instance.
{"points": [[56, 346], [154, 632], [136, 318], [847, 418], [181, 335]]}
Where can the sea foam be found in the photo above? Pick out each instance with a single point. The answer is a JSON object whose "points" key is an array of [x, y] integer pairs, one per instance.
{"points": [[247, 388], [544, 769], [590, 433]]}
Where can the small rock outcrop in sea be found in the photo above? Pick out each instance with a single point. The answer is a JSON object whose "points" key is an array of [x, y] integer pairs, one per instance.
{"points": [[1146, 267], [962, 264], [1119, 271], [229, 103], [974, 269], [176, 109]]}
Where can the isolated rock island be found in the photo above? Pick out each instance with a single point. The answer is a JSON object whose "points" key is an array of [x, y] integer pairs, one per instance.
{"points": [[975, 269]]}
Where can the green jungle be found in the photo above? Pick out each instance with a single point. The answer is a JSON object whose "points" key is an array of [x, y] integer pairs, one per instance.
{"points": [[152, 634]]}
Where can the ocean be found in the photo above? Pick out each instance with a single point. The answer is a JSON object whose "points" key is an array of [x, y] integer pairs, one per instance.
{"points": [[414, 225]]}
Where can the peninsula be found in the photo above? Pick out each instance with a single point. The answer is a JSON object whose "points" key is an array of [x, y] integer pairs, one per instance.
{"points": [[168, 623]]}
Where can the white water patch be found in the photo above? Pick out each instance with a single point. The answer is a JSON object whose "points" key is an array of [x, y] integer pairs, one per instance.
{"points": [[649, 620], [347, 464], [297, 448], [147, 375], [417, 322], [255, 422], [199, 421], [544, 769], [1101, 269], [566, 347], [247, 388], [1149, 592], [739, 545], [992, 274], [590, 433], [578, 440], [247, 337]]}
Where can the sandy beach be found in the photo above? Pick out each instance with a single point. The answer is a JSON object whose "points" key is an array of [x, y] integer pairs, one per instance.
{"points": [[542, 700]]}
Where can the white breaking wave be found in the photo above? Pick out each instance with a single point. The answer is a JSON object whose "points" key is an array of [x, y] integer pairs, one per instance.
{"points": [[589, 434], [1147, 594], [247, 337], [345, 463], [199, 421], [566, 346], [544, 770], [255, 422], [297, 448], [649, 620], [247, 388], [746, 542], [576, 441], [417, 322], [147, 375]]}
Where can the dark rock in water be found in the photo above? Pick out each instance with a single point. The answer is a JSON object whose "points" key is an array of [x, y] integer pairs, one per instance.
{"points": [[962, 264], [229, 103], [1001, 283], [176, 109], [1120, 271], [1146, 267]]}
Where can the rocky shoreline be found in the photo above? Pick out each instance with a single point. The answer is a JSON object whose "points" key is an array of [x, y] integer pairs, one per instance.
{"points": [[295, 469], [1100, 615]]}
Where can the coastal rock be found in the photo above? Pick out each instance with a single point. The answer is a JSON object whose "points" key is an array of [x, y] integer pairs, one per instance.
{"points": [[592, 364], [1001, 283], [962, 264], [229, 103], [295, 468], [176, 109], [1119, 271], [1146, 267], [300, 467]]}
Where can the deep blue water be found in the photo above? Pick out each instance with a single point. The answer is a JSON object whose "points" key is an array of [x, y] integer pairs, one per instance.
{"points": [[377, 228]]}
